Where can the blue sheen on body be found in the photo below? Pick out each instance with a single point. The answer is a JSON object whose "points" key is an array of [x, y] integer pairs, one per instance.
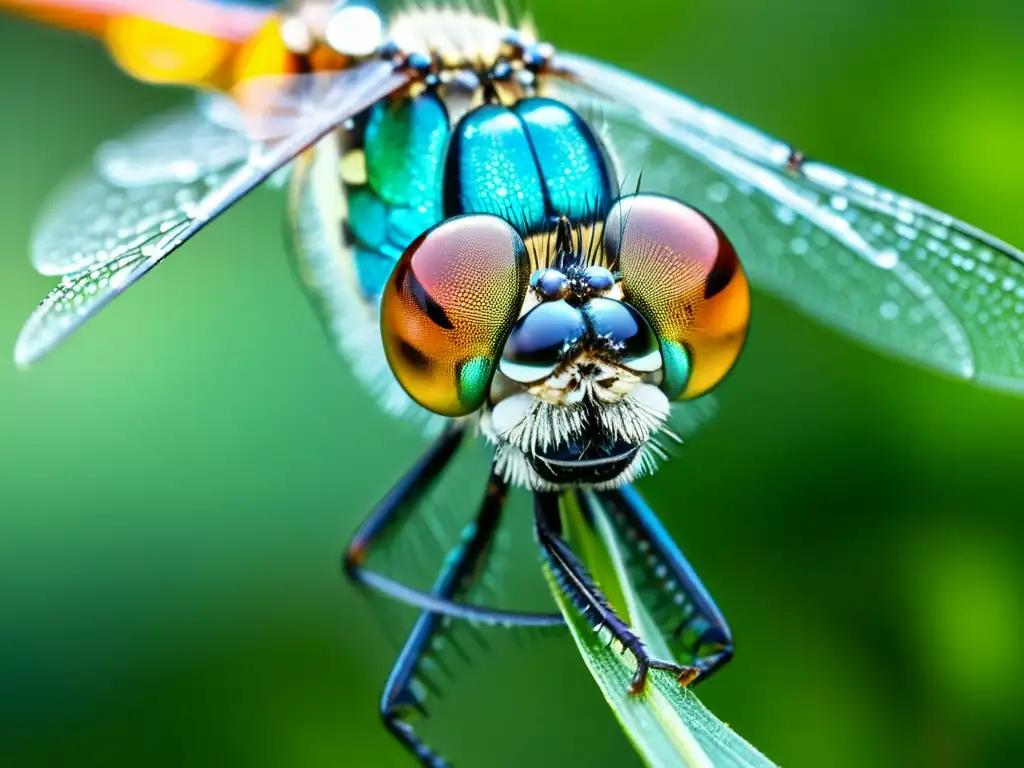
{"points": [[491, 169], [572, 165], [529, 164], [404, 144]]}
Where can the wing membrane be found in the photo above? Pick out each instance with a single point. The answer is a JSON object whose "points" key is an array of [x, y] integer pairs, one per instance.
{"points": [[885, 269], [181, 145], [299, 123], [93, 221]]}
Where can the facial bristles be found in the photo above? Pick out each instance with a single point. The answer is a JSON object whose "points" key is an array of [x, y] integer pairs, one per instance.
{"points": [[457, 33], [586, 376], [511, 464], [523, 426]]}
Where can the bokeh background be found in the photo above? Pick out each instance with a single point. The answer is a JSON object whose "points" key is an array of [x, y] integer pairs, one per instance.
{"points": [[176, 484]]}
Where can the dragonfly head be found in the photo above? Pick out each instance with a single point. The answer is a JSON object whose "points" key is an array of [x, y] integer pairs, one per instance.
{"points": [[571, 361], [575, 399]]}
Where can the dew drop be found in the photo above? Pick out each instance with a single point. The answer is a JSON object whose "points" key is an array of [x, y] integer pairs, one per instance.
{"points": [[718, 192], [786, 215], [889, 310], [887, 259]]}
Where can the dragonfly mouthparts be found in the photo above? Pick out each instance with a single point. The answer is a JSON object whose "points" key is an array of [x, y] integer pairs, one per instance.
{"points": [[596, 440]]}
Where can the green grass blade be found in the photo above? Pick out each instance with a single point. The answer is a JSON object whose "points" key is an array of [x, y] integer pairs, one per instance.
{"points": [[667, 724]]}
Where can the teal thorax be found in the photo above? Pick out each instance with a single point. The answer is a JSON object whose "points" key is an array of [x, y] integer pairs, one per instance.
{"points": [[531, 164]]}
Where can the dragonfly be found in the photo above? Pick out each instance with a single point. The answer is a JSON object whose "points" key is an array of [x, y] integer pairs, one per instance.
{"points": [[508, 240]]}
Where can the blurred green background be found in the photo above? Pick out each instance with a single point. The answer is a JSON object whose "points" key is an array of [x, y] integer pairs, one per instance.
{"points": [[176, 484]]}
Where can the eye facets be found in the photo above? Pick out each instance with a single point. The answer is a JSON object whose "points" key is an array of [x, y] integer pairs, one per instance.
{"points": [[448, 307], [682, 274]]}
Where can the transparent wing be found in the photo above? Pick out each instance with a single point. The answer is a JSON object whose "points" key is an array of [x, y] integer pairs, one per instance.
{"points": [[885, 269], [91, 221], [303, 110], [181, 145], [140, 184]]}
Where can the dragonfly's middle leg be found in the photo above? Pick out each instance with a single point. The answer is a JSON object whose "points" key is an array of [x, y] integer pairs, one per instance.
{"points": [[404, 693], [573, 578], [400, 502], [690, 616]]}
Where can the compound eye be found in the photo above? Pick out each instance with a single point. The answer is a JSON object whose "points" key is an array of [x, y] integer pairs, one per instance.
{"points": [[620, 323], [535, 346], [448, 308], [681, 272], [598, 279]]}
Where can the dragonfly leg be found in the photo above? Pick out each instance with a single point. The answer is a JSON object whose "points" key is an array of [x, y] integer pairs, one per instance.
{"points": [[692, 618], [579, 586], [406, 687], [400, 502]]}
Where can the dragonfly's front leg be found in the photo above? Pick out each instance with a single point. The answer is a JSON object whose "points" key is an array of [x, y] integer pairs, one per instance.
{"points": [[462, 567], [403, 500], [690, 616], [578, 585]]}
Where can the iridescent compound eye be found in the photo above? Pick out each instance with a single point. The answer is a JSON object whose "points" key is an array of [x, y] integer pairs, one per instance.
{"points": [[448, 308], [682, 273]]}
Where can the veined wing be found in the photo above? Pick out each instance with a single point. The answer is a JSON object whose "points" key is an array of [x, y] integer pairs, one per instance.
{"points": [[886, 269], [181, 145], [139, 187], [293, 114]]}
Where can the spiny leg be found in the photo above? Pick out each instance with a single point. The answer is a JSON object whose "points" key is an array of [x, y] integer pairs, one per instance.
{"points": [[401, 501], [697, 622], [577, 584], [462, 567]]}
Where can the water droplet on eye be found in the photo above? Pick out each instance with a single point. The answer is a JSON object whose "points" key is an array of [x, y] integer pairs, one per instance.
{"points": [[840, 203], [889, 310], [798, 245]]}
